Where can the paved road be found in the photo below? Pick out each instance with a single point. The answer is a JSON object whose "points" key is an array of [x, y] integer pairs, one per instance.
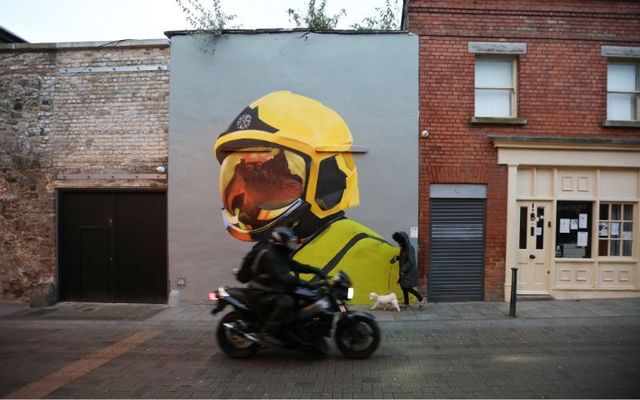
{"points": [[171, 354]]}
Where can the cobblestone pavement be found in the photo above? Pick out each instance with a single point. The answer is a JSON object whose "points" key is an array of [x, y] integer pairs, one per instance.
{"points": [[557, 349]]}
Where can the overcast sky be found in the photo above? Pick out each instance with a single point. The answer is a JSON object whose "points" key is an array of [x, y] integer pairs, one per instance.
{"points": [[97, 20]]}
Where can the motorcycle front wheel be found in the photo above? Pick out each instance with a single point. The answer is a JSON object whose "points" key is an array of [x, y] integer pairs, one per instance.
{"points": [[232, 342], [359, 338]]}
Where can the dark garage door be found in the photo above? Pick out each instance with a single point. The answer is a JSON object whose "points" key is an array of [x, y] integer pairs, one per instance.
{"points": [[113, 247], [456, 250]]}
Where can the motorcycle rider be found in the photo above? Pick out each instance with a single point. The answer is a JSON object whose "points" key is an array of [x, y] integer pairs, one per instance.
{"points": [[268, 269]]}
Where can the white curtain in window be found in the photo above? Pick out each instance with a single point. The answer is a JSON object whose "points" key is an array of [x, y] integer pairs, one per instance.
{"points": [[493, 103], [621, 107], [494, 84], [494, 74], [621, 78]]}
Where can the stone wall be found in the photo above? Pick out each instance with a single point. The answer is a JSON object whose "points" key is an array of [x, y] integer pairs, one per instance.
{"points": [[74, 115]]}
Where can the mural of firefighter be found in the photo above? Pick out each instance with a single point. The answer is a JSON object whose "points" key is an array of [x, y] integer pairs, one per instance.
{"points": [[286, 161]]}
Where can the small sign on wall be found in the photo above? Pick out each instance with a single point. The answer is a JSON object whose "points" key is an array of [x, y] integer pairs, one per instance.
{"points": [[413, 232], [181, 283]]}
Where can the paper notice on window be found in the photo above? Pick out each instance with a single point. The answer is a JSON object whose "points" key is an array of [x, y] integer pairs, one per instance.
{"points": [[413, 232], [583, 239], [538, 231], [603, 229], [564, 225], [615, 229], [574, 224], [626, 235], [582, 218]]}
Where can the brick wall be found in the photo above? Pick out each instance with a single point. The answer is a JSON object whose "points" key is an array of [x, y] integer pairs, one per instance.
{"points": [[55, 122], [561, 88]]}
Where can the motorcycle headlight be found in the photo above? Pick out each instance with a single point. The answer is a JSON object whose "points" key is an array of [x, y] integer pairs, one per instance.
{"points": [[350, 293], [222, 292]]}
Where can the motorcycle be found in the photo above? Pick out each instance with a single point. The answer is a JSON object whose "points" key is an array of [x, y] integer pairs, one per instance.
{"points": [[356, 334]]}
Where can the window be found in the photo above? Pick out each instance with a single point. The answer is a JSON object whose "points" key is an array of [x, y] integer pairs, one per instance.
{"points": [[573, 229], [623, 91], [495, 87], [615, 230], [535, 229], [524, 211]]}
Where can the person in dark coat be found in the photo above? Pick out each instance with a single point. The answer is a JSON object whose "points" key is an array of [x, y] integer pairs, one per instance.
{"points": [[408, 279]]}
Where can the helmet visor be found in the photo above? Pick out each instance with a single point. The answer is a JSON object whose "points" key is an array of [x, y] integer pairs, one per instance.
{"points": [[258, 184]]}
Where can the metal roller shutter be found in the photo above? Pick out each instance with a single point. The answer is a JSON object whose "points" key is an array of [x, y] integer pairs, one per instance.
{"points": [[456, 250]]}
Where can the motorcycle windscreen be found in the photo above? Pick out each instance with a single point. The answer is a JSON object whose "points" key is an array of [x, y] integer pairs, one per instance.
{"points": [[258, 184]]}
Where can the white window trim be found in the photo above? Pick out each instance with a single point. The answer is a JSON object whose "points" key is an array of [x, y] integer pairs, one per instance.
{"points": [[500, 51], [621, 222], [514, 83], [622, 55]]}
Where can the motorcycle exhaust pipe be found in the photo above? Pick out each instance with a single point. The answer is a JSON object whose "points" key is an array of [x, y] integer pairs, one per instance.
{"points": [[235, 329]]}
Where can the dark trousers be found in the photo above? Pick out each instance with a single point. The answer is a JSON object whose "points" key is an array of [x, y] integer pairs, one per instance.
{"points": [[278, 307], [413, 291]]}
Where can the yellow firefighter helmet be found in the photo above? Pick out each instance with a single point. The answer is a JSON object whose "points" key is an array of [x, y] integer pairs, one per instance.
{"points": [[283, 154]]}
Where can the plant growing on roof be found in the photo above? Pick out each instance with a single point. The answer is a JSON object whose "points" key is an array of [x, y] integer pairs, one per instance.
{"points": [[203, 18], [316, 18], [385, 20]]}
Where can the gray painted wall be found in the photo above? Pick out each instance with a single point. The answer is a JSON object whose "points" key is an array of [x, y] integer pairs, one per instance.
{"points": [[371, 80]]}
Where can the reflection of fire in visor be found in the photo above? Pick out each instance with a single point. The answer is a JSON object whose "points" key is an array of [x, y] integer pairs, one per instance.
{"points": [[259, 184]]}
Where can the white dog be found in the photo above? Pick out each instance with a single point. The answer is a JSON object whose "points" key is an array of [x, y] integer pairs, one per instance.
{"points": [[383, 300]]}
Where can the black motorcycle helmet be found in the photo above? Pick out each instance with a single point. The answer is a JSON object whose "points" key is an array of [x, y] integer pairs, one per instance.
{"points": [[283, 236]]}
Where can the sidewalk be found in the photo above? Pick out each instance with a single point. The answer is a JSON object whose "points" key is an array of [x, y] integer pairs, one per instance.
{"points": [[464, 311], [431, 311]]}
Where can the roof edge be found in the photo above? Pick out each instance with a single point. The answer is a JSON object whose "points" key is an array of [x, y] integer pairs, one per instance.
{"points": [[10, 37], [171, 34], [123, 43]]}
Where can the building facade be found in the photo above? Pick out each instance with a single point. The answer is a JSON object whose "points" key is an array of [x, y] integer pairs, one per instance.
{"points": [[83, 128], [529, 152], [530, 148]]}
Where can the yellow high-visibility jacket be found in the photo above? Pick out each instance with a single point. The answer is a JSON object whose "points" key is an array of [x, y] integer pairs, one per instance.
{"points": [[357, 250]]}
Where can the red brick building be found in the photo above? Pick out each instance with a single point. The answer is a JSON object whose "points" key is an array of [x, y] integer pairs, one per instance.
{"points": [[530, 147]]}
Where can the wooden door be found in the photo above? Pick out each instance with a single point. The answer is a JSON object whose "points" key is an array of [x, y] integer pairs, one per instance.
{"points": [[533, 248], [113, 247]]}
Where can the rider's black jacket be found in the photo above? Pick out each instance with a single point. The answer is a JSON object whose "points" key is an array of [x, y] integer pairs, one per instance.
{"points": [[269, 267]]}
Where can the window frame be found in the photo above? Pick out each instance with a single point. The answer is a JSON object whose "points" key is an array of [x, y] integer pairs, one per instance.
{"points": [[513, 98], [621, 221], [562, 239], [636, 92]]}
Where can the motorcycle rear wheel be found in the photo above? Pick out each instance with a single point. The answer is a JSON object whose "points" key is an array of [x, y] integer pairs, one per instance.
{"points": [[359, 339], [234, 344]]}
